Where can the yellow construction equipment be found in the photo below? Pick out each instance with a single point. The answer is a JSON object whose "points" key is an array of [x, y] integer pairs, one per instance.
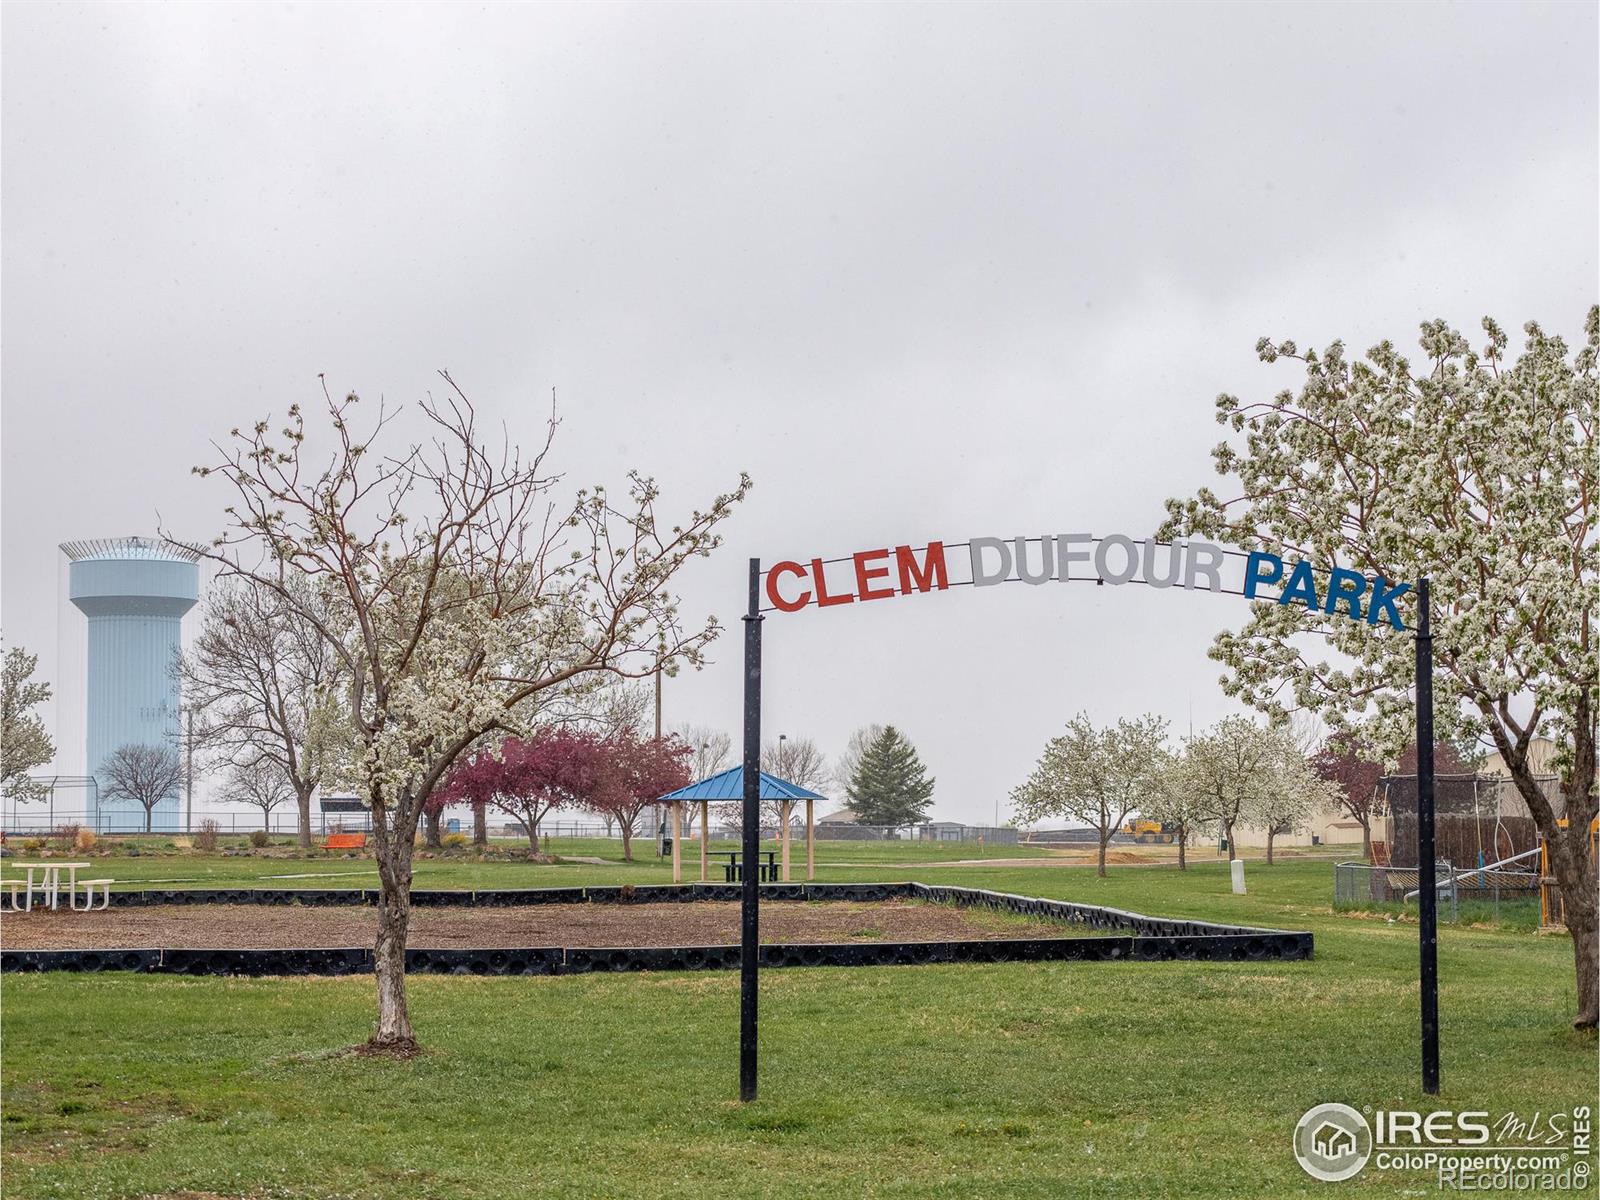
{"points": [[1150, 832]]}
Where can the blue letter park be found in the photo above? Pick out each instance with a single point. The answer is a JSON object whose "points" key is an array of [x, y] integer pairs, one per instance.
{"points": [[1348, 591]]}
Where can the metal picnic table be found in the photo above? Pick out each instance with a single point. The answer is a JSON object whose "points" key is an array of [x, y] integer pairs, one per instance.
{"points": [[49, 882], [733, 872]]}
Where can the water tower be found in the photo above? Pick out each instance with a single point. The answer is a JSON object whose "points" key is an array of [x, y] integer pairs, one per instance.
{"points": [[134, 592]]}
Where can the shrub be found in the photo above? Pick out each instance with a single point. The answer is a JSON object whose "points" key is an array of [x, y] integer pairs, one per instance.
{"points": [[206, 838], [454, 841], [67, 835], [260, 838], [84, 839], [33, 845]]}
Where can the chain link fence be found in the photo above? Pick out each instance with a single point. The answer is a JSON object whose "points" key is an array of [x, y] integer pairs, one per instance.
{"points": [[1504, 893]]}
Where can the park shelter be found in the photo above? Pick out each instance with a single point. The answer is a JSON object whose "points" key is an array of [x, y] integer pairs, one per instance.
{"points": [[727, 787]]}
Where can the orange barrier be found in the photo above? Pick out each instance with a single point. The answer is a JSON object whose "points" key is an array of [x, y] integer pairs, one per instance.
{"points": [[346, 841]]}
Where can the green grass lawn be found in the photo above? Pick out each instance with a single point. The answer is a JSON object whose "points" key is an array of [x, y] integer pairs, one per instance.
{"points": [[1039, 1080], [159, 864]]}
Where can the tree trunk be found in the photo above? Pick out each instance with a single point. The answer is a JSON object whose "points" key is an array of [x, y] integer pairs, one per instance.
{"points": [[1574, 869], [389, 956], [302, 801], [430, 824], [627, 840], [1101, 870], [1227, 832], [1570, 860], [1581, 923], [1271, 833], [394, 920], [532, 826], [480, 824], [149, 812], [1366, 838], [1183, 838]]}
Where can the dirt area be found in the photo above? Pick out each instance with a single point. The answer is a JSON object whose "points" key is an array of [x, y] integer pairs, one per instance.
{"points": [[704, 923]]}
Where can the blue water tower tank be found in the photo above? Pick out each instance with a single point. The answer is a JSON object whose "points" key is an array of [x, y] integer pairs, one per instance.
{"points": [[134, 592]]}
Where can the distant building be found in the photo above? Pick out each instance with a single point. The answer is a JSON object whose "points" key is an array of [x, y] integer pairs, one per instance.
{"points": [[844, 816], [1541, 759], [134, 591]]}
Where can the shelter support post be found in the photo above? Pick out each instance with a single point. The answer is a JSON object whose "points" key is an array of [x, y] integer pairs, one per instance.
{"points": [[677, 841], [705, 837], [750, 898], [786, 808], [811, 839]]}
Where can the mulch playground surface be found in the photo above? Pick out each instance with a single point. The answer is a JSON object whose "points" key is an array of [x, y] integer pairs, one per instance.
{"points": [[705, 923]]}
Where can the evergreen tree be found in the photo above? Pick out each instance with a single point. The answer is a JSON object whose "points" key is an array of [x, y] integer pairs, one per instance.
{"points": [[890, 786]]}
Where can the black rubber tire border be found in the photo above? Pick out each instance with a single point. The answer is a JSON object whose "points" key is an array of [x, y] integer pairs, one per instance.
{"points": [[1143, 938]]}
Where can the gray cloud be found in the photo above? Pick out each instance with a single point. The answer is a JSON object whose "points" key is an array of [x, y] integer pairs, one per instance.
{"points": [[923, 271]]}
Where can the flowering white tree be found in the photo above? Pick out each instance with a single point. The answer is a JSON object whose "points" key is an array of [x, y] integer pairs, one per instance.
{"points": [[24, 744], [1097, 776], [1174, 805], [459, 593], [1290, 791], [1224, 772], [1480, 473]]}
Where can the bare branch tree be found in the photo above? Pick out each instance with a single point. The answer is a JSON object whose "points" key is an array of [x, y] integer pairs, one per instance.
{"points": [[259, 782], [844, 768], [143, 773], [798, 759], [458, 593], [266, 685]]}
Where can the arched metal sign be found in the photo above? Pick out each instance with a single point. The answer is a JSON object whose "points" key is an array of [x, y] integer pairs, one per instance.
{"points": [[887, 572]]}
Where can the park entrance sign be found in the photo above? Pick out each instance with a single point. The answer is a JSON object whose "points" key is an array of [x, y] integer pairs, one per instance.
{"points": [[1115, 559], [889, 572]]}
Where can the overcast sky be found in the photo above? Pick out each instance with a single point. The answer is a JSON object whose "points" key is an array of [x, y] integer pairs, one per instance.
{"points": [[923, 272]]}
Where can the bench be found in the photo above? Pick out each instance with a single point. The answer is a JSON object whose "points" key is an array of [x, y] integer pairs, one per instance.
{"points": [[89, 886], [346, 841], [733, 869], [14, 888]]}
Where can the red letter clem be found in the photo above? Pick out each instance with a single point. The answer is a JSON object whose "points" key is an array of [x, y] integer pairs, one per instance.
{"points": [[932, 574], [864, 577], [823, 599], [778, 602]]}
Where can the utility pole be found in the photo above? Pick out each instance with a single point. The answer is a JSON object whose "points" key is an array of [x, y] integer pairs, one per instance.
{"points": [[661, 653], [661, 649], [188, 768]]}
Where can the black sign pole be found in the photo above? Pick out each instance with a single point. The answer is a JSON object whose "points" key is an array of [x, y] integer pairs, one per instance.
{"points": [[749, 932], [1427, 897]]}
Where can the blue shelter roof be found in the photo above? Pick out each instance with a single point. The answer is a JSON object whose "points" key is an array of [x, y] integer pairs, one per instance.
{"points": [[729, 785]]}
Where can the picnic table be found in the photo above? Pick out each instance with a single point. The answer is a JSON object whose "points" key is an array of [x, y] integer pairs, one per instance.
{"points": [[49, 882], [732, 871]]}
